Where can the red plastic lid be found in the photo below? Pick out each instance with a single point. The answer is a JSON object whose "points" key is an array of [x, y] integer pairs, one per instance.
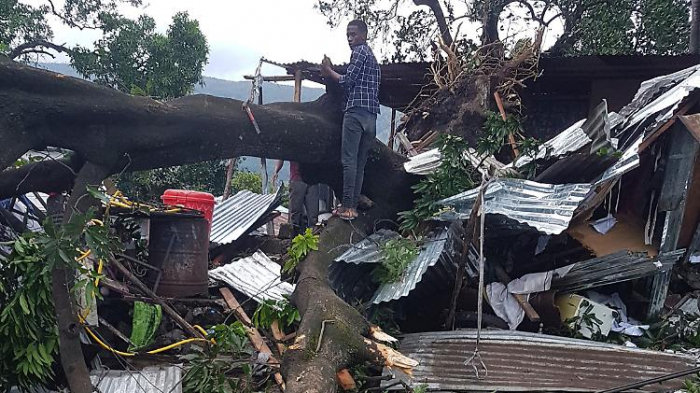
{"points": [[188, 195]]}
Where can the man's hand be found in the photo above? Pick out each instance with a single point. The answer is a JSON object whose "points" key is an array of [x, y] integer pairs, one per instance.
{"points": [[326, 67]]}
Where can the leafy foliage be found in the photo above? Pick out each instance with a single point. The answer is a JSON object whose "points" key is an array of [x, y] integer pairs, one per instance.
{"points": [[28, 330], [590, 26], [207, 176], [397, 255], [211, 369], [301, 246], [454, 175], [246, 180], [271, 310], [133, 58]]}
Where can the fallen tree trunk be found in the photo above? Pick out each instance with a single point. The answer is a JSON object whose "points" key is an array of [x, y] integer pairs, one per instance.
{"points": [[125, 133], [116, 132], [332, 334]]}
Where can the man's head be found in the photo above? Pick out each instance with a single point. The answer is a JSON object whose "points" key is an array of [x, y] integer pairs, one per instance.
{"points": [[357, 32]]}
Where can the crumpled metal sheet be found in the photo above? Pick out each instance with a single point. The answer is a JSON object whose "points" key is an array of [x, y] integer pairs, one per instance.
{"points": [[239, 214], [528, 362], [545, 207], [427, 162], [433, 268], [614, 268], [256, 276], [368, 250], [148, 380]]}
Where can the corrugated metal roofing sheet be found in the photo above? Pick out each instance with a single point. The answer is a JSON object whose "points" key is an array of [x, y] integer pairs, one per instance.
{"points": [[614, 268], [428, 161], [519, 361], [545, 207], [148, 380], [438, 256], [256, 276], [237, 215]]}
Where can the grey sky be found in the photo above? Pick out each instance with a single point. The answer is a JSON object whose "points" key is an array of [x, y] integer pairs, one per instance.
{"points": [[239, 32]]}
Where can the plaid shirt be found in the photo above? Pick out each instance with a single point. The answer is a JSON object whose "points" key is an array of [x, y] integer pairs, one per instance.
{"points": [[361, 80]]}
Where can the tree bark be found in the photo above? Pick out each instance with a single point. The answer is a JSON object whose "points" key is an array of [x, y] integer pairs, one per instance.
{"points": [[332, 334], [125, 133], [695, 27], [62, 278], [114, 132]]}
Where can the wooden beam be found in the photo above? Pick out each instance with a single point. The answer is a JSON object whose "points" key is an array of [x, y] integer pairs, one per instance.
{"points": [[392, 134], [277, 78], [297, 85], [255, 337]]}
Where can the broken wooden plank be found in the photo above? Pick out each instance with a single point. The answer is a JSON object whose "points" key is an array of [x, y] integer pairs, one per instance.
{"points": [[166, 307], [505, 279], [253, 334], [511, 138]]}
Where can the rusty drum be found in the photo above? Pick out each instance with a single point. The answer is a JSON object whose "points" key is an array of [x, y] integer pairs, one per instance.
{"points": [[179, 246]]}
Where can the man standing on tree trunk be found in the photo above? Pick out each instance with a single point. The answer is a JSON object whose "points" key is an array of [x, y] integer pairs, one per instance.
{"points": [[361, 86]]}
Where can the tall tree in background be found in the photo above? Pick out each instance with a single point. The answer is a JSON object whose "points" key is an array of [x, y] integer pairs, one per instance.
{"points": [[589, 26], [130, 56]]}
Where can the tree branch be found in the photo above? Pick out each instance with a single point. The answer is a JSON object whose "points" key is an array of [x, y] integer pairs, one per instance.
{"points": [[32, 47], [435, 7]]}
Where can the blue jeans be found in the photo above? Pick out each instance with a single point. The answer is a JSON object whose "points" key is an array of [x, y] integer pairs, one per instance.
{"points": [[359, 131]]}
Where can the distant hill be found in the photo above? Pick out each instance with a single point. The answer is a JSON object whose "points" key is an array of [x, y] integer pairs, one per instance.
{"points": [[240, 90]]}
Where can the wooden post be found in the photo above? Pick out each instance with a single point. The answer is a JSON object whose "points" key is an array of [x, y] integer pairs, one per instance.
{"points": [[229, 174], [297, 85], [255, 337], [392, 134]]}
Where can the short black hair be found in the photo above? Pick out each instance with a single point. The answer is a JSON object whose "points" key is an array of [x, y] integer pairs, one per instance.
{"points": [[361, 25]]}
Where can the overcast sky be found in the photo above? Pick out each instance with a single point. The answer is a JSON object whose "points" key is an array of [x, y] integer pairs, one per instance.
{"points": [[239, 32]]}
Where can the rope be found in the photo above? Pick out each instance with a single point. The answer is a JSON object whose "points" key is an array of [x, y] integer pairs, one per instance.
{"points": [[475, 360], [257, 82]]}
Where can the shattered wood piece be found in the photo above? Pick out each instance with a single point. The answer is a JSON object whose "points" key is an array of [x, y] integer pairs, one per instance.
{"points": [[278, 334], [253, 334], [406, 144], [503, 277], [166, 308], [345, 380], [511, 138], [391, 357]]}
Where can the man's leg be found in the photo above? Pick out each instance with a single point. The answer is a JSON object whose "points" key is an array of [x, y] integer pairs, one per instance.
{"points": [[311, 204], [369, 127], [352, 134], [297, 191]]}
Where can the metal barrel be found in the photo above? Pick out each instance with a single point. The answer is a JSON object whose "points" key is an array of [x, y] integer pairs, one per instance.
{"points": [[179, 246]]}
